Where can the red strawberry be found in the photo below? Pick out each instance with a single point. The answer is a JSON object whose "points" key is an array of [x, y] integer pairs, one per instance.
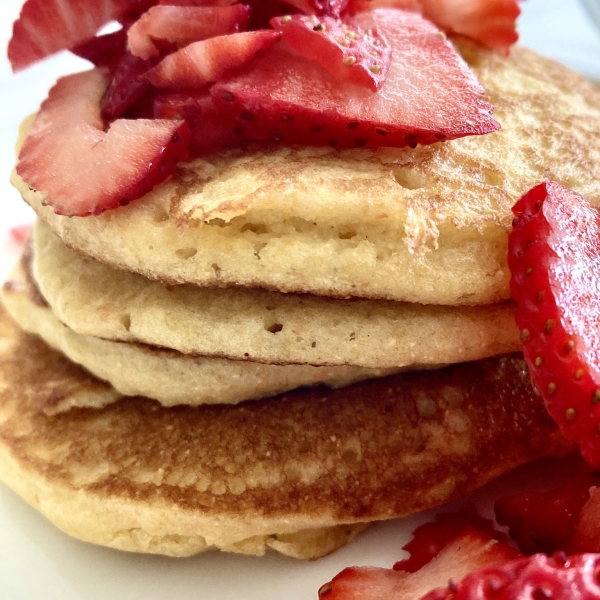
{"points": [[554, 258], [196, 2], [543, 522], [347, 52], [586, 528], [209, 60], [538, 577], [331, 8], [127, 86], [489, 21], [429, 94], [103, 50], [468, 551], [84, 170], [47, 26], [183, 24], [19, 233], [430, 538], [211, 130]]}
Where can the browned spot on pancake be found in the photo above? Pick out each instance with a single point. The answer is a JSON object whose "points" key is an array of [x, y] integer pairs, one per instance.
{"points": [[370, 451]]}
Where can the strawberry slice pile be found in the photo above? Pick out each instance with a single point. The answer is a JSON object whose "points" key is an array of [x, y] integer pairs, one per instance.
{"points": [[554, 258], [286, 97], [310, 72]]}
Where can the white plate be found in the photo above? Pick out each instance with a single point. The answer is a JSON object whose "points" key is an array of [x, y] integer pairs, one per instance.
{"points": [[39, 562]]}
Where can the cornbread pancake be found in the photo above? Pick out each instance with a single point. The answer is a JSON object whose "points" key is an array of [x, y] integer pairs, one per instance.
{"points": [[422, 225], [240, 323], [300, 473], [164, 375]]}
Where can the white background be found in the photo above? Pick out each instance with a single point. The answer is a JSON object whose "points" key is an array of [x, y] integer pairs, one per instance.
{"points": [[39, 562]]}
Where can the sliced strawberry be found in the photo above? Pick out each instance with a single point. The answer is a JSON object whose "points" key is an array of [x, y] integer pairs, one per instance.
{"points": [[331, 8], [538, 577], [209, 60], [492, 22], [429, 94], [103, 50], [84, 170], [468, 551], [196, 2], [183, 24], [20, 233], [585, 536], [48, 26], [554, 258], [211, 130], [430, 538], [127, 85], [348, 52], [544, 522]]}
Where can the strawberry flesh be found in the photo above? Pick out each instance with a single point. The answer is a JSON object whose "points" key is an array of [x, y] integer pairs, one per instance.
{"points": [[331, 8], [183, 24], [467, 551], [349, 53], [430, 538], [48, 26], [554, 258], [196, 2], [492, 22], [20, 233], [209, 60], [429, 94], [544, 522], [127, 86], [538, 577], [103, 50], [211, 130], [84, 170]]}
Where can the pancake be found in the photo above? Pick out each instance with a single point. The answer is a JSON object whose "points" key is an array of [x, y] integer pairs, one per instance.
{"points": [[300, 473], [239, 323], [424, 225], [164, 375]]}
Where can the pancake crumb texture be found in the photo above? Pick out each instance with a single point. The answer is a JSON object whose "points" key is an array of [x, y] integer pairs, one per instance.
{"points": [[164, 375], [246, 324], [301, 473], [422, 225]]}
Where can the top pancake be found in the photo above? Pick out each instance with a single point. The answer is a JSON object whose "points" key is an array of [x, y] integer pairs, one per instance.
{"points": [[422, 225]]}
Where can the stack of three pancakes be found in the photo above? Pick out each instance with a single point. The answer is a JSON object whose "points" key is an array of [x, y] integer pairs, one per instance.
{"points": [[249, 274]]}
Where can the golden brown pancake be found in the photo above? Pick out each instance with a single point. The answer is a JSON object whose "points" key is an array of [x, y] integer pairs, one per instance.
{"points": [[422, 225], [300, 473], [240, 323], [164, 375]]}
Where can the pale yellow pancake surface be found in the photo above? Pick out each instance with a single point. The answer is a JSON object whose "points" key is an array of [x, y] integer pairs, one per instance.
{"points": [[288, 473], [421, 225], [167, 376], [240, 323]]}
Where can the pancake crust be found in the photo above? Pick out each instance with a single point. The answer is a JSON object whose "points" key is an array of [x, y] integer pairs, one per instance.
{"points": [[240, 323], [165, 375], [422, 225], [177, 481]]}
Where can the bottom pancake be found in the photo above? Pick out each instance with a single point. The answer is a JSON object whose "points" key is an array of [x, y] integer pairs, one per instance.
{"points": [[300, 473]]}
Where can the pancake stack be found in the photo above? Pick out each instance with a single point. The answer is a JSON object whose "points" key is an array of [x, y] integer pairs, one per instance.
{"points": [[377, 278]]}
